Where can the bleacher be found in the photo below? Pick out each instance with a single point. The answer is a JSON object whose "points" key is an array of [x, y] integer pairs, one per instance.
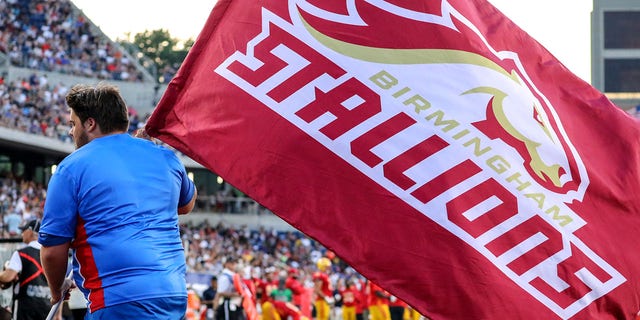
{"points": [[27, 138], [35, 43], [140, 95]]}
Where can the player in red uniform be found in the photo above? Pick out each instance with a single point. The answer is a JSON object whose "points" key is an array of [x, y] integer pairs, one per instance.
{"points": [[379, 303], [322, 290], [276, 308], [264, 286], [398, 309], [351, 301], [295, 286]]}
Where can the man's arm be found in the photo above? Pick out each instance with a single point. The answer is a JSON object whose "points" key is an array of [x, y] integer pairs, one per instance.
{"points": [[382, 294], [295, 286], [189, 206], [216, 301], [54, 262], [228, 294], [11, 270], [8, 276]]}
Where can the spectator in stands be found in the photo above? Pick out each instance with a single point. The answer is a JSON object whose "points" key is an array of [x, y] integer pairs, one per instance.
{"points": [[28, 213], [168, 73], [137, 225], [12, 221]]}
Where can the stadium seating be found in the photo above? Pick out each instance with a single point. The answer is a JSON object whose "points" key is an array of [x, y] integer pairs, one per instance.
{"points": [[45, 48], [56, 36]]}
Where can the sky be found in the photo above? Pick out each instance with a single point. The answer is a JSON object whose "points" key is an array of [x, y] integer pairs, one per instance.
{"points": [[563, 27]]}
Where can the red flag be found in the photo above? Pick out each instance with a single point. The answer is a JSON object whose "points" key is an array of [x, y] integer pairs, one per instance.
{"points": [[248, 303], [433, 145]]}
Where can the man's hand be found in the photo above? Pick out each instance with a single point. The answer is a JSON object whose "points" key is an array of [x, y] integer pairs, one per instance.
{"points": [[142, 134], [67, 285]]}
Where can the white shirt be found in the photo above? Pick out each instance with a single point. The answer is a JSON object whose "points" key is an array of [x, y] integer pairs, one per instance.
{"points": [[15, 263], [225, 281]]}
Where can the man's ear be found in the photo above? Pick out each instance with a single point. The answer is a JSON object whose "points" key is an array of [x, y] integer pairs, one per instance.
{"points": [[90, 124]]}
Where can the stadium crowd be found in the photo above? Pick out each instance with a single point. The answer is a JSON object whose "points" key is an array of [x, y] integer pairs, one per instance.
{"points": [[19, 202], [35, 106], [22, 200], [51, 36], [209, 245]]}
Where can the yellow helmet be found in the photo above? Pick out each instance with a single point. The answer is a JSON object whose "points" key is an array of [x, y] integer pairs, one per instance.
{"points": [[323, 264]]}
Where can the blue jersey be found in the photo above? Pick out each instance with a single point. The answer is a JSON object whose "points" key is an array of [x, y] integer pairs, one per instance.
{"points": [[116, 198]]}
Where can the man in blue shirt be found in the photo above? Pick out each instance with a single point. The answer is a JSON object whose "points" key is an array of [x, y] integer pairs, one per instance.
{"points": [[13, 220], [115, 201]]}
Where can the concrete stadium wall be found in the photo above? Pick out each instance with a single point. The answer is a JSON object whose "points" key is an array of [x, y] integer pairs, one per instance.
{"points": [[141, 96], [253, 221], [42, 144], [34, 142]]}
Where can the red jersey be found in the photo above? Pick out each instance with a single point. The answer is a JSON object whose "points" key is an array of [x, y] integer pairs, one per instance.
{"points": [[325, 286], [374, 295], [351, 298], [296, 288], [364, 294], [264, 288]]}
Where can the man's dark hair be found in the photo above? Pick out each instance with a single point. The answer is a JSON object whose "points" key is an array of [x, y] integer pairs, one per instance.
{"points": [[103, 103]]}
